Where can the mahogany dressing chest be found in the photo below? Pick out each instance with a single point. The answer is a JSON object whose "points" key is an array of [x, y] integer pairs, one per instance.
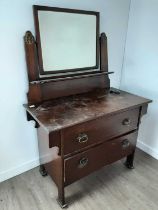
{"points": [[82, 123]]}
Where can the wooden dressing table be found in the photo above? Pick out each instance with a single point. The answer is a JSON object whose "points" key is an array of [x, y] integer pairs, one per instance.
{"points": [[82, 123]]}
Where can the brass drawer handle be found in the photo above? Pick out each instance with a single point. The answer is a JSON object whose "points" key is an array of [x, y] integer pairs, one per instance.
{"points": [[126, 122], [125, 143], [82, 138], [83, 162]]}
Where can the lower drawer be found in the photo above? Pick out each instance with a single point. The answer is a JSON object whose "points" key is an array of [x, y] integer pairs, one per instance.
{"points": [[121, 147], [86, 162]]}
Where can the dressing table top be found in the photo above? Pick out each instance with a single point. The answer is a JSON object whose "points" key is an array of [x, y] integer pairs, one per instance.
{"points": [[67, 111]]}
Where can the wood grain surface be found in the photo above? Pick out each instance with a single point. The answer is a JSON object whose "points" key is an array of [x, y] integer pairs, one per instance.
{"points": [[67, 111]]}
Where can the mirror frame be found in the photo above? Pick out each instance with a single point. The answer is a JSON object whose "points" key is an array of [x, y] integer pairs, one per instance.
{"points": [[36, 8]]}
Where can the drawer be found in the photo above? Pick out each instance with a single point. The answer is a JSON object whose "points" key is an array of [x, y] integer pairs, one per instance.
{"points": [[121, 147], [101, 129], [86, 162]]}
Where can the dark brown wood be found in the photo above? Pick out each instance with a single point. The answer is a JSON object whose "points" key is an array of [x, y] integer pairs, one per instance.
{"points": [[109, 120], [31, 56], [35, 94], [121, 147], [70, 86], [37, 8], [68, 111], [98, 157], [103, 53], [129, 161], [82, 124], [55, 169], [96, 130]]}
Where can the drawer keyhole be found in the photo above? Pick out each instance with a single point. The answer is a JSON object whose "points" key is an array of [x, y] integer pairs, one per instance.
{"points": [[83, 162], [82, 138]]}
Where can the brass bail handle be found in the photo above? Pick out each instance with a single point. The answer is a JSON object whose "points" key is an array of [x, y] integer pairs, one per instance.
{"points": [[83, 162], [126, 121], [125, 143], [82, 138]]}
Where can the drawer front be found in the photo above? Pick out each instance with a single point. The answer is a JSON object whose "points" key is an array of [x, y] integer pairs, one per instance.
{"points": [[86, 162], [101, 129], [121, 147]]}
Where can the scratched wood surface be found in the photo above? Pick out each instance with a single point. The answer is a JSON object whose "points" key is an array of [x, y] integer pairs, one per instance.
{"points": [[112, 188], [64, 112]]}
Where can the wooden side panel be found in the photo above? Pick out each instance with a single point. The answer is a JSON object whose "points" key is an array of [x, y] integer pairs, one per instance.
{"points": [[46, 153], [34, 95], [144, 109], [51, 158], [55, 170]]}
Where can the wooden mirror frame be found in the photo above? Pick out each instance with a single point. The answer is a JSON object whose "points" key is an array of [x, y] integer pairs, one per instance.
{"points": [[37, 8], [54, 86]]}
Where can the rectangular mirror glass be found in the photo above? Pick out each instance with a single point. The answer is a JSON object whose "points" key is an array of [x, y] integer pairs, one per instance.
{"points": [[67, 39]]}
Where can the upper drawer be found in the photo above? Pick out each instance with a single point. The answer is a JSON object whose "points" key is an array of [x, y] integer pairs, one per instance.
{"points": [[101, 129]]}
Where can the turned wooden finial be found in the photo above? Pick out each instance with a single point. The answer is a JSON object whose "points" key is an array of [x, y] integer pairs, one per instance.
{"points": [[29, 38]]}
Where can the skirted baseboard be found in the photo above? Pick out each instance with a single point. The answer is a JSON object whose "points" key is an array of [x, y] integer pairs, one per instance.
{"points": [[149, 150], [19, 169]]}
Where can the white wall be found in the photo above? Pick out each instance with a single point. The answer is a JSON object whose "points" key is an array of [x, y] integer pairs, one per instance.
{"points": [[140, 72], [18, 141]]}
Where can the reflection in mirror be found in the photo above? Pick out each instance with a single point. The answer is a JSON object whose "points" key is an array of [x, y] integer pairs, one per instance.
{"points": [[68, 40]]}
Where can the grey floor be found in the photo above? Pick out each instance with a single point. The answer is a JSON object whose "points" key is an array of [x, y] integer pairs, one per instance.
{"points": [[112, 188]]}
